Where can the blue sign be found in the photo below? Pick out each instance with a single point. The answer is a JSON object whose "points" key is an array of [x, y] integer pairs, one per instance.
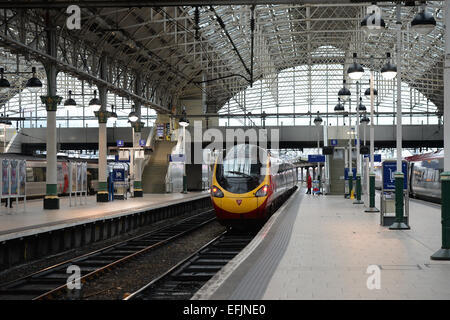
{"points": [[142, 143], [118, 175], [376, 157], [389, 169], [117, 159], [176, 158], [334, 142], [316, 158], [346, 173], [120, 143]]}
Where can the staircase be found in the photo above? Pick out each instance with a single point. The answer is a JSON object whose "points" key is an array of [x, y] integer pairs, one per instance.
{"points": [[155, 170]]}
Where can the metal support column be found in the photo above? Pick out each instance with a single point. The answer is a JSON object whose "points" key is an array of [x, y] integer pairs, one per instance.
{"points": [[51, 101], [358, 156], [102, 193], [137, 179], [399, 223], [444, 252], [372, 207]]}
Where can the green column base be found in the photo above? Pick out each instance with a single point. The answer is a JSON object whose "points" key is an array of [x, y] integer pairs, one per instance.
{"points": [[399, 223], [102, 197], [358, 190], [441, 254], [185, 184], [51, 203], [399, 226], [444, 252], [138, 193], [372, 207], [102, 194]]}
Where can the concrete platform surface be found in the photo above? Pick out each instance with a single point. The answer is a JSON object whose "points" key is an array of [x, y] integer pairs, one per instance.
{"points": [[325, 247], [16, 222]]}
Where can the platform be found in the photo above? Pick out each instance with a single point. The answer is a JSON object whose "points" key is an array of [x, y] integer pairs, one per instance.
{"points": [[320, 247], [17, 223]]}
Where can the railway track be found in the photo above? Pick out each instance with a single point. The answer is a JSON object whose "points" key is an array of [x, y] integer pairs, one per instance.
{"points": [[52, 281], [187, 277]]}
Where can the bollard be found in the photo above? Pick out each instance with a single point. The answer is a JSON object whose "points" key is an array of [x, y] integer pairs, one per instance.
{"points": [[444, 252], [399, 223]]}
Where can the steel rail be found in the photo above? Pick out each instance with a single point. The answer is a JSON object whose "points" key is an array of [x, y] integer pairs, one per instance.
{"points": [[109, 260], [184, 279]]}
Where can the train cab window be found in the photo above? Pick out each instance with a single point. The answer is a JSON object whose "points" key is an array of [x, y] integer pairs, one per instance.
{"points": [[240, 172]]}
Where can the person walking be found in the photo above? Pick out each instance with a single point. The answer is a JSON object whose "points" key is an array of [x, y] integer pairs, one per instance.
{"points": [[309, 184]]}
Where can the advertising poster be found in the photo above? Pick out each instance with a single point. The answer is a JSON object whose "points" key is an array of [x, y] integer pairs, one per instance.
{"points": [[5, 177], [84, 175], [14, 173], [22, 176], [73, 176], [79, 175]]}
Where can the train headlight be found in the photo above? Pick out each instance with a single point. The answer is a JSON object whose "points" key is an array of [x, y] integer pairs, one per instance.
{"points": [[216, 192], [262, 192]]}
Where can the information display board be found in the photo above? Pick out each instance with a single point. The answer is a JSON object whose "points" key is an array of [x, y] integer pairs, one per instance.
{"points": [[389, 169]]}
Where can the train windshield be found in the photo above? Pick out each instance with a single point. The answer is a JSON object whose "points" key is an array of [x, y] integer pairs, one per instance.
{"points": [[242, 169]]}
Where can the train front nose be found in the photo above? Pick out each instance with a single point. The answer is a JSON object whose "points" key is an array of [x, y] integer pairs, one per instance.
{"points": [[238, 207]]}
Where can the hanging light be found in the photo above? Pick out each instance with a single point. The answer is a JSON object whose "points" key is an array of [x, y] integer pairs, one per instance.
{"points": [[318, 119], [4, 83], [339, 107], [355, 71], [423, 22], [373, 23], [389, 70], [70, 102], [362, 107], [367, 92], [365, 119], [34, 84], [133, 117], [95, 103], [184, 122], [344, 93]]}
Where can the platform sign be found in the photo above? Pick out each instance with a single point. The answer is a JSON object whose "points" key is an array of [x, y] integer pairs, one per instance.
{"points": [[142, 143], [316, 158], [118, 175], [346, 173], [376, 157], [160, 130], [176, 158], [333, 142], [120, 143], [389, 169]]}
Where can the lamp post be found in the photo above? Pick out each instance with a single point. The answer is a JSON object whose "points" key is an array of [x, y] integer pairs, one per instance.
{"points": [[350, 151], [358, 148], [318, 121], [399, 223], [372, 93], [444, 252], [184, 122]]}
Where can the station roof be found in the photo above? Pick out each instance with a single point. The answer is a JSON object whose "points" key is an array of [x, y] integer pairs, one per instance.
{"points": [[184, 51]]}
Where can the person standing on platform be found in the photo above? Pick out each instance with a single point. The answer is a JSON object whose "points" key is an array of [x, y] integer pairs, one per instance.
{"points": [[309, 183]]}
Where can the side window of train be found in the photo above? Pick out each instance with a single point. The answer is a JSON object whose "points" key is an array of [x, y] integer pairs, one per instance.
{"points": [[39, 174], [30, 174]]}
